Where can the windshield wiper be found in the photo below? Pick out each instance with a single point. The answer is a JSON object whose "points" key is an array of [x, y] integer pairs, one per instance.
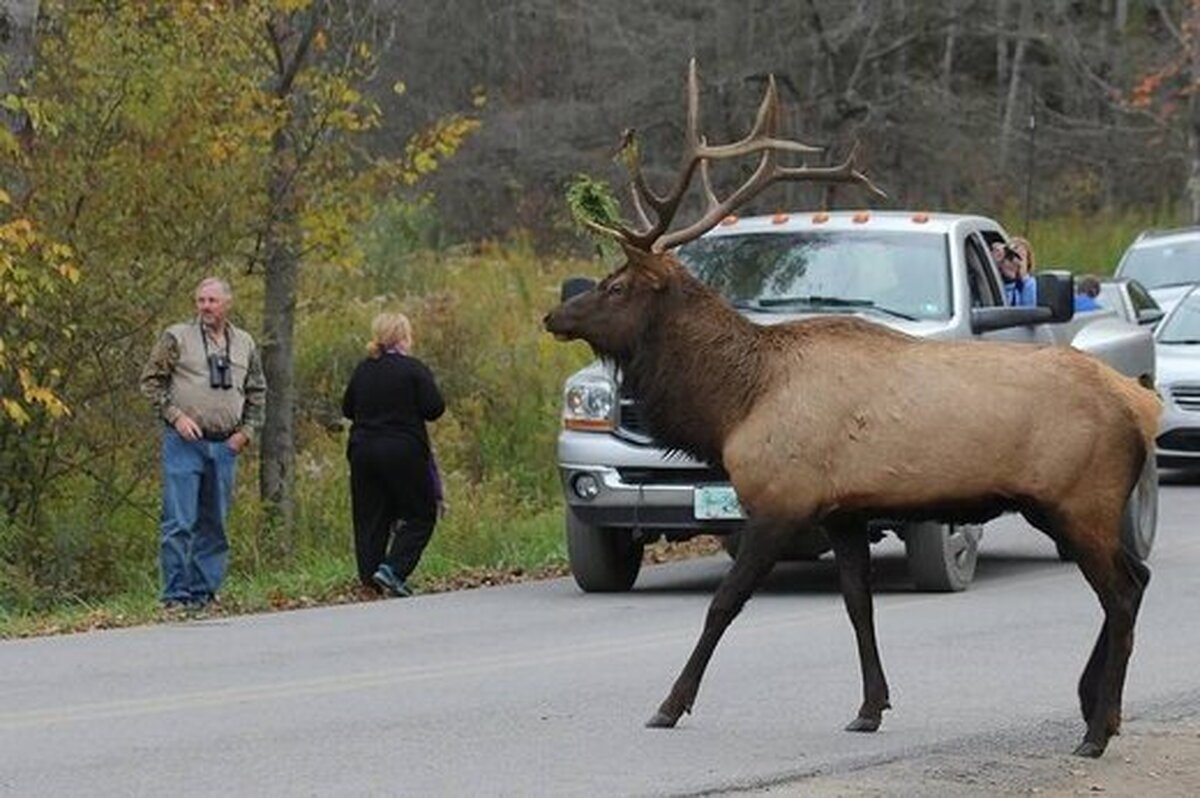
{"points": [[746, 304], [814, 300], [831, 302], [1179, 341]]}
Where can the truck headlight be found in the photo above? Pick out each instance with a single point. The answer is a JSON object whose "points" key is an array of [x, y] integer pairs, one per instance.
{"points": [[589, 404]]}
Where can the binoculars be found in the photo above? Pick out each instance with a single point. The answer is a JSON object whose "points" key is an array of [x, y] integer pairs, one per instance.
{"points": [[220, 375]]}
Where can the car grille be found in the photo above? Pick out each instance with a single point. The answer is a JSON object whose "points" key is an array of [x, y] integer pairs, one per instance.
{"points": [[1180, 440], [1186, 396]]}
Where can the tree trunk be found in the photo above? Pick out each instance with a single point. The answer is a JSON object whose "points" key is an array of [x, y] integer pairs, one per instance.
{"points": [[1025, 30], [1002, 37], [277, 468], [18, 35], [1193, 184], [278, 461], [948, 58]]}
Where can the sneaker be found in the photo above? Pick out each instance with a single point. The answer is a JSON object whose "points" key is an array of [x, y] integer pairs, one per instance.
{"points": [[389, 583]]}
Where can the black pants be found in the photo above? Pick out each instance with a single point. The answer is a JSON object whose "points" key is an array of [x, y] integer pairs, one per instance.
{"points": [[391, 491]]}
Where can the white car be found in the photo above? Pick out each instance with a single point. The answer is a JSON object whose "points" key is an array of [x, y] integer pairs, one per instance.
{"points": [[1166, 262], [1177, 346]]}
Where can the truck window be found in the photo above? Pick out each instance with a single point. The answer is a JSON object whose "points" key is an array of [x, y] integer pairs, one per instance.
{"points": [[980, 275], [899, 273]]}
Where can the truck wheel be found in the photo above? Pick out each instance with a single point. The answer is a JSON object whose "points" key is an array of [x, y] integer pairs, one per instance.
{"points": [[1140, 521], [941, 557], [603, 560]]}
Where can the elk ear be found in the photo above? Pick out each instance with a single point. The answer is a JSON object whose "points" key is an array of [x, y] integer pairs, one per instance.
{"points": [[655, 267]]}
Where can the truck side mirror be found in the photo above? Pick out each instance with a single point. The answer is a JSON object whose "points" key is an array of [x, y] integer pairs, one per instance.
{"points": [[1056, 291], [1150, 316], [574, 286]]}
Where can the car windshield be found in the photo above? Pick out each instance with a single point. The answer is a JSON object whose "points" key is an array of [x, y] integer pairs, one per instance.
{"points": [[906, 275], [1164, 264], [1183, 325]]}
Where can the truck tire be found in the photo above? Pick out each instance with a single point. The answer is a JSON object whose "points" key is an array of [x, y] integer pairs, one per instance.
{"points": [[942, 557], [603, 560], [1140, 521]]}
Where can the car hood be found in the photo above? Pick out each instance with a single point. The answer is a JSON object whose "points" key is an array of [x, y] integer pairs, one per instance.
{"points": [[1176, 363]]}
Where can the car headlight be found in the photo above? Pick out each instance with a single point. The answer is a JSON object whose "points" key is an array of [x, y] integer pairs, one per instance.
{"points": [[589, 404]]}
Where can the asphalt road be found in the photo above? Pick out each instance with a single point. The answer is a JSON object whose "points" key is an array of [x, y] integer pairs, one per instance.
{"points": [[536, 689]]}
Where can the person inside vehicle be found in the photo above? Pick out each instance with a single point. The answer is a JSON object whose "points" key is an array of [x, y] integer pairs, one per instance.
{"points": [[1086, 290], [1015, 262]]}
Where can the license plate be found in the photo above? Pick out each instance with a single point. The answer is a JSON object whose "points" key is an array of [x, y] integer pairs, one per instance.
{"points": [[716, 502]]}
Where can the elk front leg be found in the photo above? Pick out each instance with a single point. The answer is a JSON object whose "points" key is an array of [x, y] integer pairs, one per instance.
{"points": [[851, 546], [757, 554]]}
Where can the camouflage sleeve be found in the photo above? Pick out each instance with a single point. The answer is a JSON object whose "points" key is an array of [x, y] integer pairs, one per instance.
{"points": [[254, 410], [155, 382]]}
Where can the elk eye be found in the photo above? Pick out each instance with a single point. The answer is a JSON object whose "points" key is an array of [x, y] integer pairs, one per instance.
{"points": [[616, 289]]}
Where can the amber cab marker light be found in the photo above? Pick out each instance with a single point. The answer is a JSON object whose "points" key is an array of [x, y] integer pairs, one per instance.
{"points": [[861, 217], [779, 218], [730, 219], [920, 218], [820, 218]]}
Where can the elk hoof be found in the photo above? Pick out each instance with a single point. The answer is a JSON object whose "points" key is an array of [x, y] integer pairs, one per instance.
{"points": [[864, 724], [1089, 749], [662, 720]]}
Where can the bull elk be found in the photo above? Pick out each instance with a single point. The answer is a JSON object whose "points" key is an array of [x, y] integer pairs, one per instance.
{"points": [[836, 421]]}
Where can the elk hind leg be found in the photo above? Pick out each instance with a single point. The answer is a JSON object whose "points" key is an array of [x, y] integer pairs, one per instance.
{"points": [[759, 550], [851, 546], [1119, 580]]}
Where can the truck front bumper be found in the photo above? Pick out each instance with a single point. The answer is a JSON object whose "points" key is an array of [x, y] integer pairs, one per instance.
{"points": [[638, 487]]}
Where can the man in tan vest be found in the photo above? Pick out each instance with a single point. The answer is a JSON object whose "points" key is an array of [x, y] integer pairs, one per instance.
{"points": [[206, 381]]}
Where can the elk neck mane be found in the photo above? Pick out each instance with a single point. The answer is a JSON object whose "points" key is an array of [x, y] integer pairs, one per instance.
{"points": [[697, 368]]}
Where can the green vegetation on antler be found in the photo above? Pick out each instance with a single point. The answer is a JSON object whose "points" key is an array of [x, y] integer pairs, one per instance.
{"points": [[592, 201]]}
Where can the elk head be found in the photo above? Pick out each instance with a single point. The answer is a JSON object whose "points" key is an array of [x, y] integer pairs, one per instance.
{"points": [[613, 315]]}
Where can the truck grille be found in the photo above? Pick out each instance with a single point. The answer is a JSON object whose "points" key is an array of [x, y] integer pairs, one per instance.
{"points": [[1180, 440], [1186, 396], [631, 423], [672, 476]]}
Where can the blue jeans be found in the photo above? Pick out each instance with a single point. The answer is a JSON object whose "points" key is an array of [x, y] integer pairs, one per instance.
{"points": [[197, 489]]}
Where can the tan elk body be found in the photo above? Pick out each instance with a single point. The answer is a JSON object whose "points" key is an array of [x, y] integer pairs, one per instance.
{"points": [[836, 421]]}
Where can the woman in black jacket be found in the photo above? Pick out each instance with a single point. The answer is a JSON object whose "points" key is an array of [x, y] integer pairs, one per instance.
{"points": [[390, 397]]}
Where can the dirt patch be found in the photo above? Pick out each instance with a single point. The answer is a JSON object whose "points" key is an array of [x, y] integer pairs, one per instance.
{"points": [[1151, 759]]}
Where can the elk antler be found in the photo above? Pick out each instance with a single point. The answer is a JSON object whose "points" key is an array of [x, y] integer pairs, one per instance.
{"points": [[653, 236]]}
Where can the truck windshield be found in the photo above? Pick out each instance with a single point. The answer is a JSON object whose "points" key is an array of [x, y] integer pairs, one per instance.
{"points": [[899, 274]]}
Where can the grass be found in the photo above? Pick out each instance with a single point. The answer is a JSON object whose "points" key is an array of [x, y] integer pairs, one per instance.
{"points": [[532, 548], [1088, 244]]}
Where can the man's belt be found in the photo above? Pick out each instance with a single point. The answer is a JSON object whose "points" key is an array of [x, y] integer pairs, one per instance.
{"points": [[210, 435]]}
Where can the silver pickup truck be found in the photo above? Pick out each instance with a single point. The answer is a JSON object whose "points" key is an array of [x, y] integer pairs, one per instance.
{"points": [[927, 274]]}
